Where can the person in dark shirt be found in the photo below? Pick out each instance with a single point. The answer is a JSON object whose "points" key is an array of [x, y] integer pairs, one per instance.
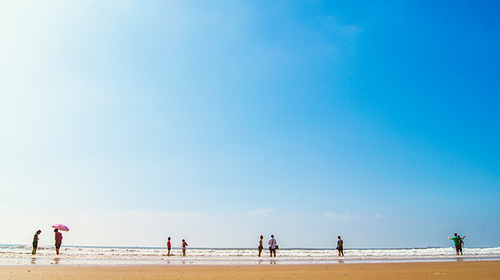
{"points": [[340, 246], [35, 242], [261, 246]]}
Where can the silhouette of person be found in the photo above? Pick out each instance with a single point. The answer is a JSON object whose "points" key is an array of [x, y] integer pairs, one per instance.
{"points": [[35, 242], [340, 246], [261, 246]]}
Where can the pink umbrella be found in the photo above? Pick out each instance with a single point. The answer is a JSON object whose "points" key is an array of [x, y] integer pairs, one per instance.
{"points": [[61, 227]]}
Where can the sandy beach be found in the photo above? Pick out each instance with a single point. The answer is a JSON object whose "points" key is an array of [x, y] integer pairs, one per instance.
{"points": [[429, 270]]}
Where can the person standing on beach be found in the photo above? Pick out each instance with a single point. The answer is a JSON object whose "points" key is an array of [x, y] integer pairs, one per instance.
{"points": [[184, 245], [261, 246], [169, 246], [457, 240], [461, 244], [272, 246], [59, 239], [340, 246], [35, 242]]}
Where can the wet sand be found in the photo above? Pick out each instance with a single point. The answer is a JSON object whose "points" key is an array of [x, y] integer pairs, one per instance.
{"points": [[430, 270]]}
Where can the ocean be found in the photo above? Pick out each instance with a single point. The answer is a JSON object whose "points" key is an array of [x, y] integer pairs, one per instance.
{"points": [[84, 255]]}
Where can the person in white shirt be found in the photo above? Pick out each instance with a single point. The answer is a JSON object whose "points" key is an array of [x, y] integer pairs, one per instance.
{"points": [[272, 246]]}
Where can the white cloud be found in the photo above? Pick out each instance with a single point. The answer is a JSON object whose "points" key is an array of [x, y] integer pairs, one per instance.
{"points": [[261, 212], [342, 217], [351, 217]]}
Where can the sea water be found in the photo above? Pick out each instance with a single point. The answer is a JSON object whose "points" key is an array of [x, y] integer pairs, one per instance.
{"points": [[79, 255]]}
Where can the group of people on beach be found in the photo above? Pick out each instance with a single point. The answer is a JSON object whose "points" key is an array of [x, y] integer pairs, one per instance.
{"points": [[58, 239], [273, 244]]}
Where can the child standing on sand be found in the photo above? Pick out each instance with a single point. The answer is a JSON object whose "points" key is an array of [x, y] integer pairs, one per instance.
{"points": [[169, 246], [184, 245]]}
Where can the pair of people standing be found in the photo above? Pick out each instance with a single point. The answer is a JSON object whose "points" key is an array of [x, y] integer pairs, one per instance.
{"points": [[58, 238], [273, 245], [458, 241], [183, 245]]}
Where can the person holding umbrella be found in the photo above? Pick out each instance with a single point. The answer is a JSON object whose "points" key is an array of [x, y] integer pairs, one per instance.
{"points": [[58, 235], [59, 239]]}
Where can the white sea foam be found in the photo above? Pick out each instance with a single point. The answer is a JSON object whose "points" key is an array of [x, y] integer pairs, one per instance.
{"points": [[21, 255]]}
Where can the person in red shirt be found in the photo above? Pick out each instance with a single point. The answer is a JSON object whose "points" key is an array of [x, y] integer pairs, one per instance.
{"points": [[59, 239], [169, 246]]}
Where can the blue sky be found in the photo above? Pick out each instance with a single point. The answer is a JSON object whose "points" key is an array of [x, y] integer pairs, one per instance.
{"points": [[219, 121]]}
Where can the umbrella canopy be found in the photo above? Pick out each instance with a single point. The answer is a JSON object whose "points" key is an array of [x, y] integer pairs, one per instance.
{"points": [[61, 227]]}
